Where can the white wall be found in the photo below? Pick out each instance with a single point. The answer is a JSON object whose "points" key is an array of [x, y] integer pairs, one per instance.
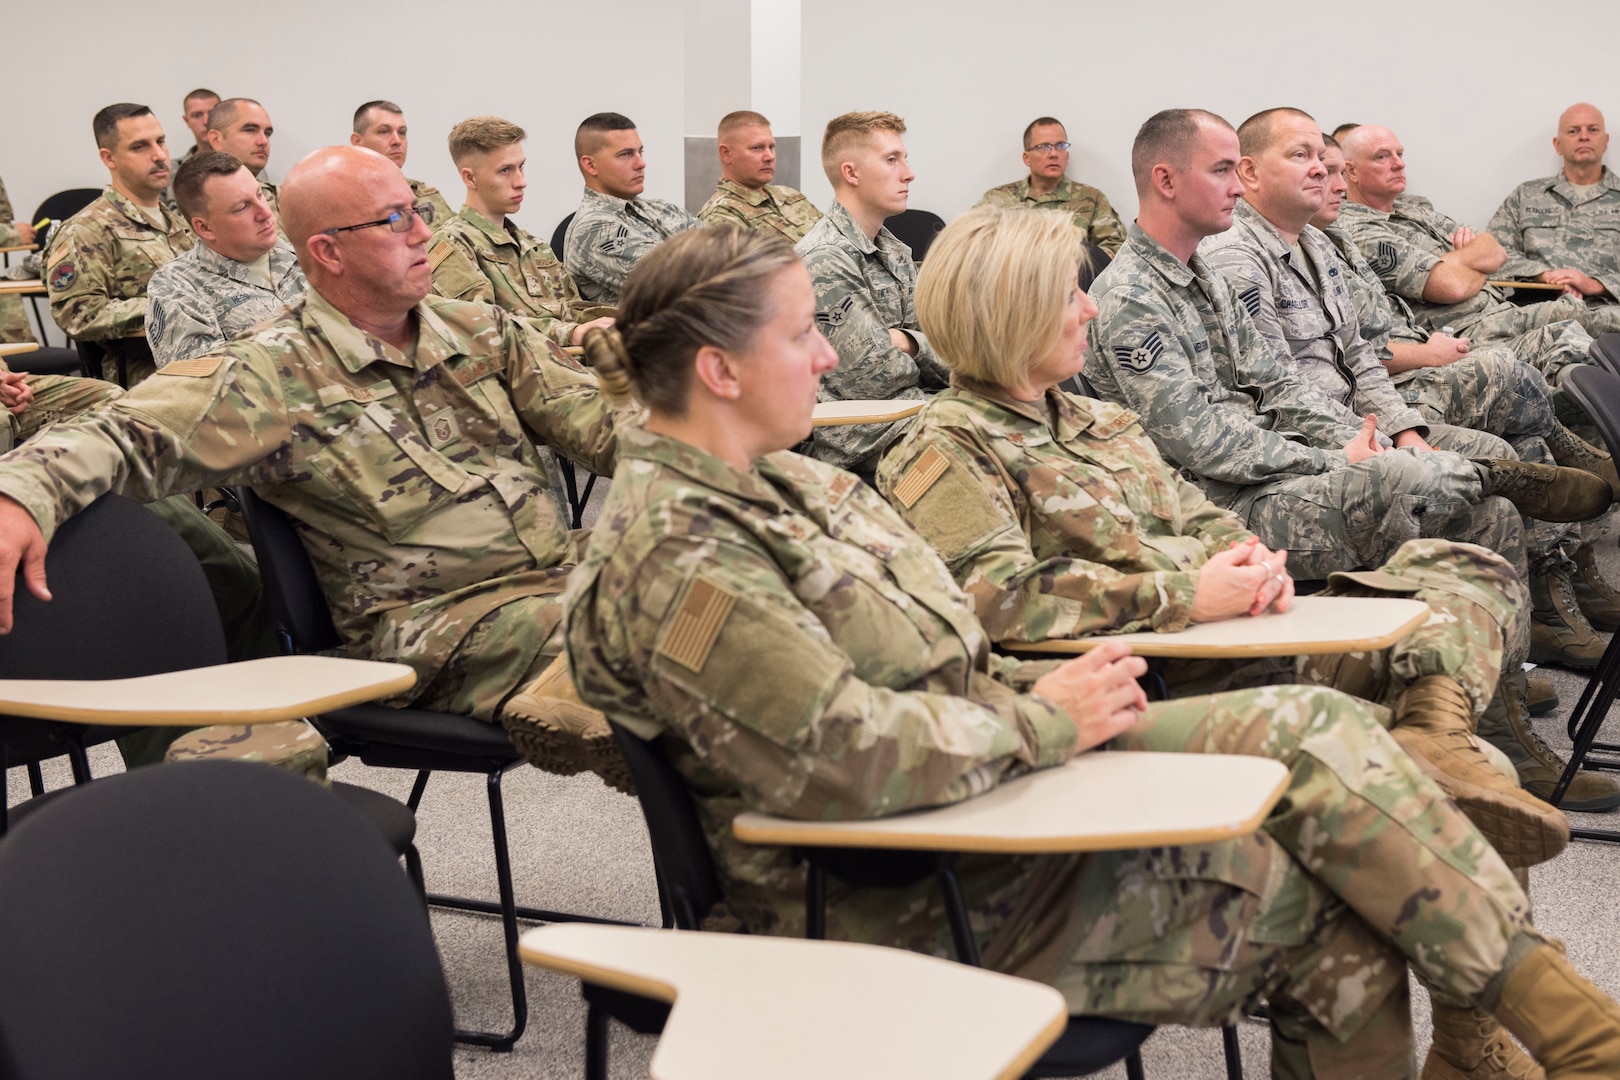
{"points": [[543, 65], [1474, 90]]}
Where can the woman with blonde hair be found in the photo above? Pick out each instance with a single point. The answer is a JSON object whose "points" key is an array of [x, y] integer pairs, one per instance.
{"points": [[797, 649]]}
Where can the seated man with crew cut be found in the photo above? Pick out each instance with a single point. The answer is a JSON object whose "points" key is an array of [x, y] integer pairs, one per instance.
{"points": [[745, 195]]}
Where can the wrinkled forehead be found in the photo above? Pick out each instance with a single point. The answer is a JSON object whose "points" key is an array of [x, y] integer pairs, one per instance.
{"points": [[1580, 116], [138, 129], [380, 118], [249, 114]]}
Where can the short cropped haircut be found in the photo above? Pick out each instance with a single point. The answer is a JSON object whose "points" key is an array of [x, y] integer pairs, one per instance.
{"points": [[1344, 129], [105, 125], [742, 118], [1041, 121], [1167, 136], [191, 179], [1256, 134], [587, 137], [362, 119], [991, 294], [198, 94], [848, 131], [1330, 141], [221, 115], [481, 135]]}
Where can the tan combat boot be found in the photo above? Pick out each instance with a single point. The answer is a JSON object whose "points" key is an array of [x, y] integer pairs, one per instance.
{"points": [[1599, 602], [1547, 492], [1569, 1026], [558, 732], [1433, 720], [1559, 632], [1506, 726], [1572, 451], [1541, 695], [1470, 1045]]}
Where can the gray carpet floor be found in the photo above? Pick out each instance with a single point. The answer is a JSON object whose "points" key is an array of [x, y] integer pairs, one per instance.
{"points": [[578, 846]]}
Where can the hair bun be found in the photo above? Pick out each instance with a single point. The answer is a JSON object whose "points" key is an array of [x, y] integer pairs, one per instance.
{"points": [[606, 354]]}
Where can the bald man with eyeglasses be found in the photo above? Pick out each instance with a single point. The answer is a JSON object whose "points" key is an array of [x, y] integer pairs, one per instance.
{"points": [[1048, 187]]}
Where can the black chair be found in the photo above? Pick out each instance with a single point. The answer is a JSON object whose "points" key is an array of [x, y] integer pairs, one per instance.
{"points": [[124, 353], [688, 887], [1096, 262], [213, 919], [61, 206], [1605, 351], [559, 236], [50, 361], [416, 739], [916, 229]]}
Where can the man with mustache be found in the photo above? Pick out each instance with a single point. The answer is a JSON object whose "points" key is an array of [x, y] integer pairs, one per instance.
{"points": [[100, 260]]}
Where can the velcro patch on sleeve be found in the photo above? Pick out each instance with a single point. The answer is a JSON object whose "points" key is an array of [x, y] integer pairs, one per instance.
{"points": [[198, 367], [697, 623], [920, 477]]}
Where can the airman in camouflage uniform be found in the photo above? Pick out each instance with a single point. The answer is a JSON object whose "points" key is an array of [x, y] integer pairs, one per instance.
{"points": [[426, 192], [772, 206], [1055, 191], [609, 235], [203, 299], [13, 316], [1566, 228], [883, 696]]}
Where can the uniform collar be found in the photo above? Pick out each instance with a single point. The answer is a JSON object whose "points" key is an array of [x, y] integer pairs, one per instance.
{"points": [[617, 205], [700, 466], [1157, 256], [750, 196], [357, 349], [1062, 414], [510, 234], [127, 207], [844, 222], [1062, 193], [1564, 186]]}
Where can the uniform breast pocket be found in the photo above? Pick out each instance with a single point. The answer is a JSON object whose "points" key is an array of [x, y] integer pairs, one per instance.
{"points": [[139, 254], [388, 470]]}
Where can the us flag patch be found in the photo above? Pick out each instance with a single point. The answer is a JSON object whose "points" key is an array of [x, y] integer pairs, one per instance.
{"points": [[693, 630]]}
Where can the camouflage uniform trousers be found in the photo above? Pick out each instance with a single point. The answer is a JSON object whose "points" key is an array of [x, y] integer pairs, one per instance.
{"points": [[56, 397], [1549, 336], [506, 651], [14, 321]]}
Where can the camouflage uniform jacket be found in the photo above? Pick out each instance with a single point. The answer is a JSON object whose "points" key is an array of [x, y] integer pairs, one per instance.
{"points": [[773, 206], [99, 262], [472, 259], [9, 236], [203, 299], [1058, 517], [1382, 316], [1403, 246], [864, 288], [1306, 310], [426, 192], [13, 316], [273, 196], [1089, 206], [608, 236], [1175, 345], [414, 482], [809, 652], [1547, 225]]}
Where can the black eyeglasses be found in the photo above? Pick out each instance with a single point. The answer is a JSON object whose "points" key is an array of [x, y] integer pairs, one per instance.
{"points": [[1047, 148], [398, 221]]}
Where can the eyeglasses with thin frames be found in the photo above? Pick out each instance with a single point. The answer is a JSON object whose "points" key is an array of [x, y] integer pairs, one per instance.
{"points": [[1048, 148], [398, 221]]}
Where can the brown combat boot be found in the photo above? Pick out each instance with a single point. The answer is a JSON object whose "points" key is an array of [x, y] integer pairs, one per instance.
{"points": [[1548, 492], [1572, 451], [1597, 598], [1433, 720], [1568, 1024], [1541, 696], [1470, 1045], [558, 732], [1506, 726], [1559, 632]]}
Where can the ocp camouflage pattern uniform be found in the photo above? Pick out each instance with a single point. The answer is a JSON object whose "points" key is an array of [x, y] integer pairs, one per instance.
{"points": [[1176, 346], [774, 206], [426, 192], [1548, 224], [865, 288], [413, 480], [798, 650], [273, 197], [608, 236], [203, 299], [1059, 519], [13, 316], [1088, 206], [1404, 245], [1307, 312], [473, 259], [98, 264]]}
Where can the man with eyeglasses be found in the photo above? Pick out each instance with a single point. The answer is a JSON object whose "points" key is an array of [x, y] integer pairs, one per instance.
{"points": [[1048, 187], [239, 275], [399, 429]]}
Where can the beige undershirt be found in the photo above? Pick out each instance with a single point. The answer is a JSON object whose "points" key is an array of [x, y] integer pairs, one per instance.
{"points": [[260, 270]]}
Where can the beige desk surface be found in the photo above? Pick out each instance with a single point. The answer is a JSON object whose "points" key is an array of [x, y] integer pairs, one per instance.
{"points": [[1539, 285], [18, 247], [834, 413], [1315, 624], [747, 1007], [18, 348], [249, 692], [26, 287], [1101, 801]]}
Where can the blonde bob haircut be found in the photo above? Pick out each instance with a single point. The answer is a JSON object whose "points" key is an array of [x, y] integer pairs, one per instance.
{"points": [[992, 292]]}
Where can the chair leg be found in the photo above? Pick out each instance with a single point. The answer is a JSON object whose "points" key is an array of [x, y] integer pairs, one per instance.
{"points": [[967, 950], [80, 762], [1234, 1056], [417, 788], [36, 779], [509, 928], [815, 902], [1133, 1066], [596, 1043], [413, 870]]}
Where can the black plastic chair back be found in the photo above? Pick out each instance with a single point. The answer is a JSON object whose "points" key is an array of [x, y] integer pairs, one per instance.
{"points": [[1606, 352], [916, 229], [559, 236], [296, 601], [61, 206], [1096, 262], [1597, 391], [213, 919], [48, 361], [687, 878]]}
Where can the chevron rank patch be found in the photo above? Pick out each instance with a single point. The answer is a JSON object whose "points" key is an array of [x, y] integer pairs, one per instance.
{"points": [[1384, 259], [920, 477], [1251, 300], [697, 623], [198, 367], [835, 315], [616, 243], [1141, 358]]}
